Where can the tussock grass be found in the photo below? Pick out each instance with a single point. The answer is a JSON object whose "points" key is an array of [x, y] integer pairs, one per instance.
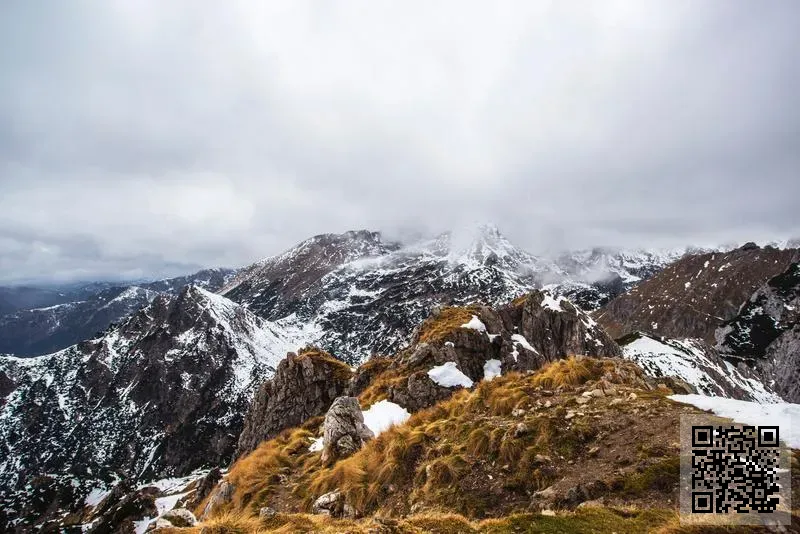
{"points": [[437, 328], [441, 457]]}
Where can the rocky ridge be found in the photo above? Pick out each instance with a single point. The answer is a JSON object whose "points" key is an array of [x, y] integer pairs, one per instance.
{"points": [[766, 333], [355, 295], [161, 394]]}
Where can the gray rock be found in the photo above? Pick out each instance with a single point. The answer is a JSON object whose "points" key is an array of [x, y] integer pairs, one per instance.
{"points": [[344, 430], [334, 505], [222, 494], [180, 517], [266, 512]]}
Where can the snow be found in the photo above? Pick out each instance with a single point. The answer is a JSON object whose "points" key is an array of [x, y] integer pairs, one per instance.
{"points": [[165, 504], [551, 303], [317, 445], [475, 324], [491, 369], [141, 526], [781, 414], [383, 415], [687, 285], [519, 338], [96, 496], [448, 375], [686, 360]]}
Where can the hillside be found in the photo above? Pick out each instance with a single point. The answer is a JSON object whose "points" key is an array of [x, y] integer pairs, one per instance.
{"points": [[695, 295]]}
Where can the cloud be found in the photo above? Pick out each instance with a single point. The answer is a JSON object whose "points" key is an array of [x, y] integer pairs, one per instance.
{"points": [[150, 137]]}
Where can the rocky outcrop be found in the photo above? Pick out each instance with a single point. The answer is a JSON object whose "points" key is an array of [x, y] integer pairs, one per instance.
{"points": [[180, 517], [694, 296], [123, 507], [520, 336], [782, 364], [204, 486], [222, 494], [305, 385], [344, 430]]}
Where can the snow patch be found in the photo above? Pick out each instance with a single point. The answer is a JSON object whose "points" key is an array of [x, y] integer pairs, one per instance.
{"points": [[475, 324], [448, 375], [520, 339], [781, 414], [383, 415], [491, 369]]}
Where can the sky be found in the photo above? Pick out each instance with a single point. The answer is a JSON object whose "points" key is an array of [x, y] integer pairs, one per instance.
{"points": [[144, 138]]}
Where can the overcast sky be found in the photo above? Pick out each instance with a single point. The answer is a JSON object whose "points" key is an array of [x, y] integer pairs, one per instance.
{"points": [[149, 138]]}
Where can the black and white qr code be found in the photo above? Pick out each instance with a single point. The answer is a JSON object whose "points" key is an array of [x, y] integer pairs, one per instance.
{"points": [[734, 469]]}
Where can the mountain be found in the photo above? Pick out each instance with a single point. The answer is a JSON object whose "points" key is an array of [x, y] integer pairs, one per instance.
{"points": [[162, 393], [81, 311], [766, 332], [16, 298], [695, 295], [355, 295]]}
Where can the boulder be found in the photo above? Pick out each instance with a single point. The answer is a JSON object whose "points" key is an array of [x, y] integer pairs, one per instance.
{"points": [[344, 431], [334, 505], [180, 517]]}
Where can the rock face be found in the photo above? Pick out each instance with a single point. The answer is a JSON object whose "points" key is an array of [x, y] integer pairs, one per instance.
{"points": [[359, 295], [180, 517], [694, 296], [160, 395], [79, 313], [520, 336], [766, 333], [344, 430], [305, 385]]}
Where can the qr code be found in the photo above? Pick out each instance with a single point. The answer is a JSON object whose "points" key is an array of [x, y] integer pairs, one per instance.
{"points": [[735, 469], [733, 473]]}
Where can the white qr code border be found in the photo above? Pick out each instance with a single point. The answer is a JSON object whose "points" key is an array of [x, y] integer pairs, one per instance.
{"points": [[691, 490]]}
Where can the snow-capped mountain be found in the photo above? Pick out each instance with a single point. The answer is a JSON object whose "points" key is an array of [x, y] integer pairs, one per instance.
{"points": [[354, 294], [80, 312], [163, 393]]}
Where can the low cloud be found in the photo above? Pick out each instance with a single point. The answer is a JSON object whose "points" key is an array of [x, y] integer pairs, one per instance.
{"points": [[150, 138]]}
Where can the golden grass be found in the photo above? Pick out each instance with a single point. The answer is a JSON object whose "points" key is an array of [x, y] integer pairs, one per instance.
{"points": [[428, 458], [573, 371], [437, 328]]}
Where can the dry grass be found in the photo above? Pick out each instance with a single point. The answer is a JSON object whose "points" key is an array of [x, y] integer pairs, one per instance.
{"points": [[380, 386], [441, 457], [437, 328]]}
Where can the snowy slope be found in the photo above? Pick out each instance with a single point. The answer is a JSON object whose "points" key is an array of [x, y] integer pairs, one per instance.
{"points": [[785, 415], [693, 361]]}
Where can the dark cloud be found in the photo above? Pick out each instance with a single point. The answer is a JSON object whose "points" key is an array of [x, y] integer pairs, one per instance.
{"points": [[146, 138]]}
